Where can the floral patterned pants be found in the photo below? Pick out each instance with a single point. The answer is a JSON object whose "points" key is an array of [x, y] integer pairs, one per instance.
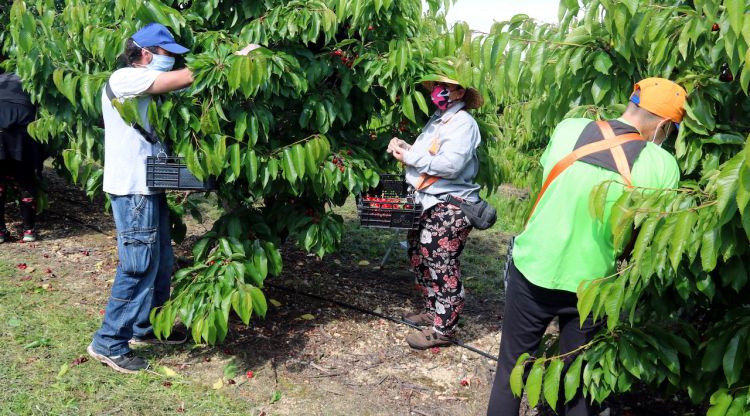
{"points": [[434, 251]]}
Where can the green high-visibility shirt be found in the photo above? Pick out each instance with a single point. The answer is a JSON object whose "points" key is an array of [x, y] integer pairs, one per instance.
{"points": [[563, 244]]}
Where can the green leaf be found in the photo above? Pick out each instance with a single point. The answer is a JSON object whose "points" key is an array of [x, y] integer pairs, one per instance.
{"points": [[682, 229], [259, 301], [552, 382], [407, 107], [235, 159], [602, 63], [712, 357], [516, 375], [586, 297], [573, 379], [598, 199], [421, 103], [736, 11], [534, 382], [200, 249], [600, 88], [720, 402], [710, 245], [288, 166], [734, 357]]}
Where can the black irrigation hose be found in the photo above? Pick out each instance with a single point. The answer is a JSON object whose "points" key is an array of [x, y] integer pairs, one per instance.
{"points": [[379, 315]]}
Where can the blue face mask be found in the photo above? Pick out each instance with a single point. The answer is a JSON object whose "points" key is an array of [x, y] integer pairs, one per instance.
{"points": [[161, 63]]}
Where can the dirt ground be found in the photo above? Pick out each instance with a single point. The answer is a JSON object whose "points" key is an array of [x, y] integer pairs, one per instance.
{"points": [[309, 356], [323, 358]]}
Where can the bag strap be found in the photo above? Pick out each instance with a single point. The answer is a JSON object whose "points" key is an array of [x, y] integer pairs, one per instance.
{"points": [[611, 142], [150, 137]]}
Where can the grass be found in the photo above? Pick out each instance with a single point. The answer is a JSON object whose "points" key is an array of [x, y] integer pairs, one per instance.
{"points": [[42, 334]]}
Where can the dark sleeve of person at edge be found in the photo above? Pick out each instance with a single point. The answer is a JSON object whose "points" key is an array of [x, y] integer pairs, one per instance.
{"points": [[21, 157], [16, 112]]}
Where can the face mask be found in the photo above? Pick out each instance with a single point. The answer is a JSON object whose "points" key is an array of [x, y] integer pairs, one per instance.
{"points": [[657, 129], [161, 63], [439, 97]]}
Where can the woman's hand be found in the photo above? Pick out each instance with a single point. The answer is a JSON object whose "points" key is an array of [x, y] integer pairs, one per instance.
{"points": [[397, 143], [398, 152]]}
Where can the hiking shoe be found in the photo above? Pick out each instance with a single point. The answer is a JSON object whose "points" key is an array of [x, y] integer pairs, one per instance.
{"points": [[29, 236], [177, 336], [128, 363], [428, 338], [3, 235], [419, 319]]}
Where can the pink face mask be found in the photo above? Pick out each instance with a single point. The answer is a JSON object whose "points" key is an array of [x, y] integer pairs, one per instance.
{"points": [[439, 97]]}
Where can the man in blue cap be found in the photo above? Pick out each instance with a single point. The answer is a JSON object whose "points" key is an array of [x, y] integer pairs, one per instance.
{"points": [[143, 277]]}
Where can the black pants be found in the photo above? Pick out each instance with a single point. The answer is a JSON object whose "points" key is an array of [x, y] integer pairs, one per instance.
{"points": [[23, 176], [528, 311]]}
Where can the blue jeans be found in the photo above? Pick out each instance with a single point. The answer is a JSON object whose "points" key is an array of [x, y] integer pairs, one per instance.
{"points": [[144, 272]]}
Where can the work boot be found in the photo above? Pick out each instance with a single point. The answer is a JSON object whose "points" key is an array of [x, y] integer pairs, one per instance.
{"points": [[428, 338], [419, 319]]}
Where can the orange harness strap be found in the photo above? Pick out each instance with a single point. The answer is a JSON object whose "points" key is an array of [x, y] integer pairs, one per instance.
{"points": [[611, 142]]}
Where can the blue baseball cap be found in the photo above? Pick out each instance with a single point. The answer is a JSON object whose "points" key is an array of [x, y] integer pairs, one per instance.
{"points": [[155, 34]]}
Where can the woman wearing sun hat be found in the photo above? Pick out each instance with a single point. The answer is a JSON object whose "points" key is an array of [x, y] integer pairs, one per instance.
{"points": [[442, 162]]}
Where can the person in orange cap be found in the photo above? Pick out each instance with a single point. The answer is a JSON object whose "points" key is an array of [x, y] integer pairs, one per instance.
{"points": [[562, 244]]}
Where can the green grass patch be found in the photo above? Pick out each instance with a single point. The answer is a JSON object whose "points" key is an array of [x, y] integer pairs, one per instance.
{"points": [[42, 334]]}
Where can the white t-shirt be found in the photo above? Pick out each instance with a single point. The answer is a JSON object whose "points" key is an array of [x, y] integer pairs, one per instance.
{"points": [[125, 150]]}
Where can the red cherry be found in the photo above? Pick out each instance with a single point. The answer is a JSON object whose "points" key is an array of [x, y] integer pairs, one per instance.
{"points": [[250, 374], [464, 382], [387, 206], [715, 27], [370, 27]]}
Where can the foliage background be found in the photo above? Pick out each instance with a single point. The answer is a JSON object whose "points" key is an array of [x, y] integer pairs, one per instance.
{"points": [[295, 128]]}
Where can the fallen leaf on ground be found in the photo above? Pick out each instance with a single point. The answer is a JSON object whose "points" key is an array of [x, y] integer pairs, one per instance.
{"points": [[363, 263], [166, 371], [63, 370], [275, 397], [275, 302], [218, 384], [307, 317]]}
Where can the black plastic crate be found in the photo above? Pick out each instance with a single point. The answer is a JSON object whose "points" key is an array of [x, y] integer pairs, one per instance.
{"points": [[169, 172], [389, 205]]}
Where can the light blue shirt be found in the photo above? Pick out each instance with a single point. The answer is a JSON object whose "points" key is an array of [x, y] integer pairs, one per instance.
{"points": [[456, 161]]}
